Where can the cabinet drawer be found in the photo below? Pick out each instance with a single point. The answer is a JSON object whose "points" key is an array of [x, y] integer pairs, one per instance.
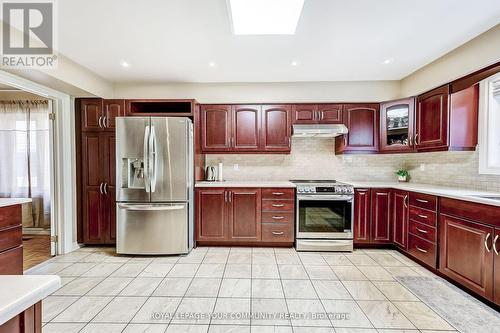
{"points": [[281, 217], [10, 238], [10, 216], [277, 232], [278, 193], [11, 261], [423, 216], [422, 250], [423, 230], [278, 205], [423, 201]]}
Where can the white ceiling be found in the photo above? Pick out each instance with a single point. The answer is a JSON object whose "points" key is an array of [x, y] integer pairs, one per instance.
{"points": [[175, 40]]}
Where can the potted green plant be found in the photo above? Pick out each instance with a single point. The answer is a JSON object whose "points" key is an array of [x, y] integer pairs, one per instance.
{"points": [[402, 175]]}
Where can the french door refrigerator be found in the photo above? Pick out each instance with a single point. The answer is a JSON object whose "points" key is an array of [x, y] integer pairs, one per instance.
{"points": [[154, 185]]}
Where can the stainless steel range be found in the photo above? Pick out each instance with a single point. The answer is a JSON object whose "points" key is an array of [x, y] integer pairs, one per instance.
{"points": [[324, 219]]}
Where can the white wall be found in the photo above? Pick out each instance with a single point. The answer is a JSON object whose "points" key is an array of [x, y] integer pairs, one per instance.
{"points": [[352, 91], [478, 53]]}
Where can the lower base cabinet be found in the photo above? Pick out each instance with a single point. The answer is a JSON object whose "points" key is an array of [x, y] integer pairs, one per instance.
{"points": [[465, 255], [28, 321], [244, 216], [11, 240]]}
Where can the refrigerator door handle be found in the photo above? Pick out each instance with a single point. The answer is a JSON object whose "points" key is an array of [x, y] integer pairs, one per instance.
{"points": [[150, 207], [154, 157], [147, 183]]}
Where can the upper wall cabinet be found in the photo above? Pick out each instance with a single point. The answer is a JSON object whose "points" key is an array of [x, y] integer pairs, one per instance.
{"points": [[245, 128], [161, 107], [99, 115], [215, 127], [396, 126], [431, 129], [362, 120], [317, 113], [276, 128]]}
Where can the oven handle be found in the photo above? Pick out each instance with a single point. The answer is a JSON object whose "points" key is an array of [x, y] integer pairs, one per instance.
{"points": [[326, 197]]}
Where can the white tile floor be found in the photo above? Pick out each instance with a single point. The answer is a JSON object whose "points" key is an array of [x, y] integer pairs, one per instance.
{"points": [[103, 292]]}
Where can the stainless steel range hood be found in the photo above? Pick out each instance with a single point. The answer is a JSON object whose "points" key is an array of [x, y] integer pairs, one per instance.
{"points": [[319, 130]]}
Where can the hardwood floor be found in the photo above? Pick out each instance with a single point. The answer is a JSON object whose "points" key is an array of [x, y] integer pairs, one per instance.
{"points": [[36, 249]]}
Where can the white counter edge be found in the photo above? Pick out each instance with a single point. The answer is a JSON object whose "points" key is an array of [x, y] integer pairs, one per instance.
{"points": [[31, 290], [5, 202]]}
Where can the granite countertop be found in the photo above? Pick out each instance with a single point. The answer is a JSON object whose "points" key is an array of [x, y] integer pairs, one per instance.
{"points": [[19, 292], [246, 183], [442, 191], [4, 202]]}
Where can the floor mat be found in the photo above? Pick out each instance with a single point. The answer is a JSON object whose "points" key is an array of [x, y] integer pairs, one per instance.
{"points": [[463, 311]]}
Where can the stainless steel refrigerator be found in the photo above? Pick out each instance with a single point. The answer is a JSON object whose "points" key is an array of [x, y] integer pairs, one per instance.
{"points": [[154, 185]]}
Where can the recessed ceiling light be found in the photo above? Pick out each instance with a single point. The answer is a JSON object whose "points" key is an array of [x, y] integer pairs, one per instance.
{"points": [[125, 64], [295, 63], [265, 17], [387, 61], [212, 64]]}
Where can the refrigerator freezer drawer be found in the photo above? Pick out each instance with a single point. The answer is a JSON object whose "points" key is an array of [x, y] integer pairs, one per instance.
{"points": [[152, 229]]}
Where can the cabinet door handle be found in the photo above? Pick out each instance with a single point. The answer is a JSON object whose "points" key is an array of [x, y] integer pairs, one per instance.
{"points": [[422, 231], [486, 242], [277, 233], [105, 188], [345, 139], [230, 196], [495, 244], [278, 193], [421, 250], [422, 200], [422, 216], [100, 121], [416, 139], [278, 217], [105, 121], [410, 141], [405, 201], [278, 205], [225, 196], [100, 188]]}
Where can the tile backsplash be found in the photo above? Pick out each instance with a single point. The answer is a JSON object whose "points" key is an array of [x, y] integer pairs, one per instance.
{"points": [[315, 158]]}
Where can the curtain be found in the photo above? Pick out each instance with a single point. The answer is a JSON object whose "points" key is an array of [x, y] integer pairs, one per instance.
{"points": [[24, 157]]}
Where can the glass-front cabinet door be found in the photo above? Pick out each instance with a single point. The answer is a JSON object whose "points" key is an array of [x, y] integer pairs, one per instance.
{"points": [[397, 125]]}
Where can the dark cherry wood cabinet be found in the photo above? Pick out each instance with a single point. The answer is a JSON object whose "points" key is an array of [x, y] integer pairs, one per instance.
{"points": [[465, 253], [98, 187], [211, 214], [244, 214], [99, 115], [381, 220], [11, 240], [276, 128], [96, 169], [362, 215], [112, 108], [362, 120], [28, 321], [464, 109], [496, 265], [317, 113], [249, 216], [400, 218], [215, 128], [305, 113], [431, 120], [397, 126], [245, 128]]}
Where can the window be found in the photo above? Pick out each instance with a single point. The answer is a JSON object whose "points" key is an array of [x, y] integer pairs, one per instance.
{"points": [[489, 126]]}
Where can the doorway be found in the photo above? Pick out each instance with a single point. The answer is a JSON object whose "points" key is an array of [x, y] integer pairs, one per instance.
{"points": [[26, 167]]}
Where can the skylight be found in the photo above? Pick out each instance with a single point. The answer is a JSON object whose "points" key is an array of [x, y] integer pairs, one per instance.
{"points": [[265, 17]]}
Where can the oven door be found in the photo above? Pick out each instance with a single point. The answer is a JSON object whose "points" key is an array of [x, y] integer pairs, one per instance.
{"points": [[324, 216]]}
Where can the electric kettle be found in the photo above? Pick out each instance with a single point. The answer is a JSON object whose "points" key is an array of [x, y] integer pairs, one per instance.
{"points": [[210, 174]]}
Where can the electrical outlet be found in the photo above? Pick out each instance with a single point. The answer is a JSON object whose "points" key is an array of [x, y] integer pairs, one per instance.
{"points": [[422, 167], [236, 167]]}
